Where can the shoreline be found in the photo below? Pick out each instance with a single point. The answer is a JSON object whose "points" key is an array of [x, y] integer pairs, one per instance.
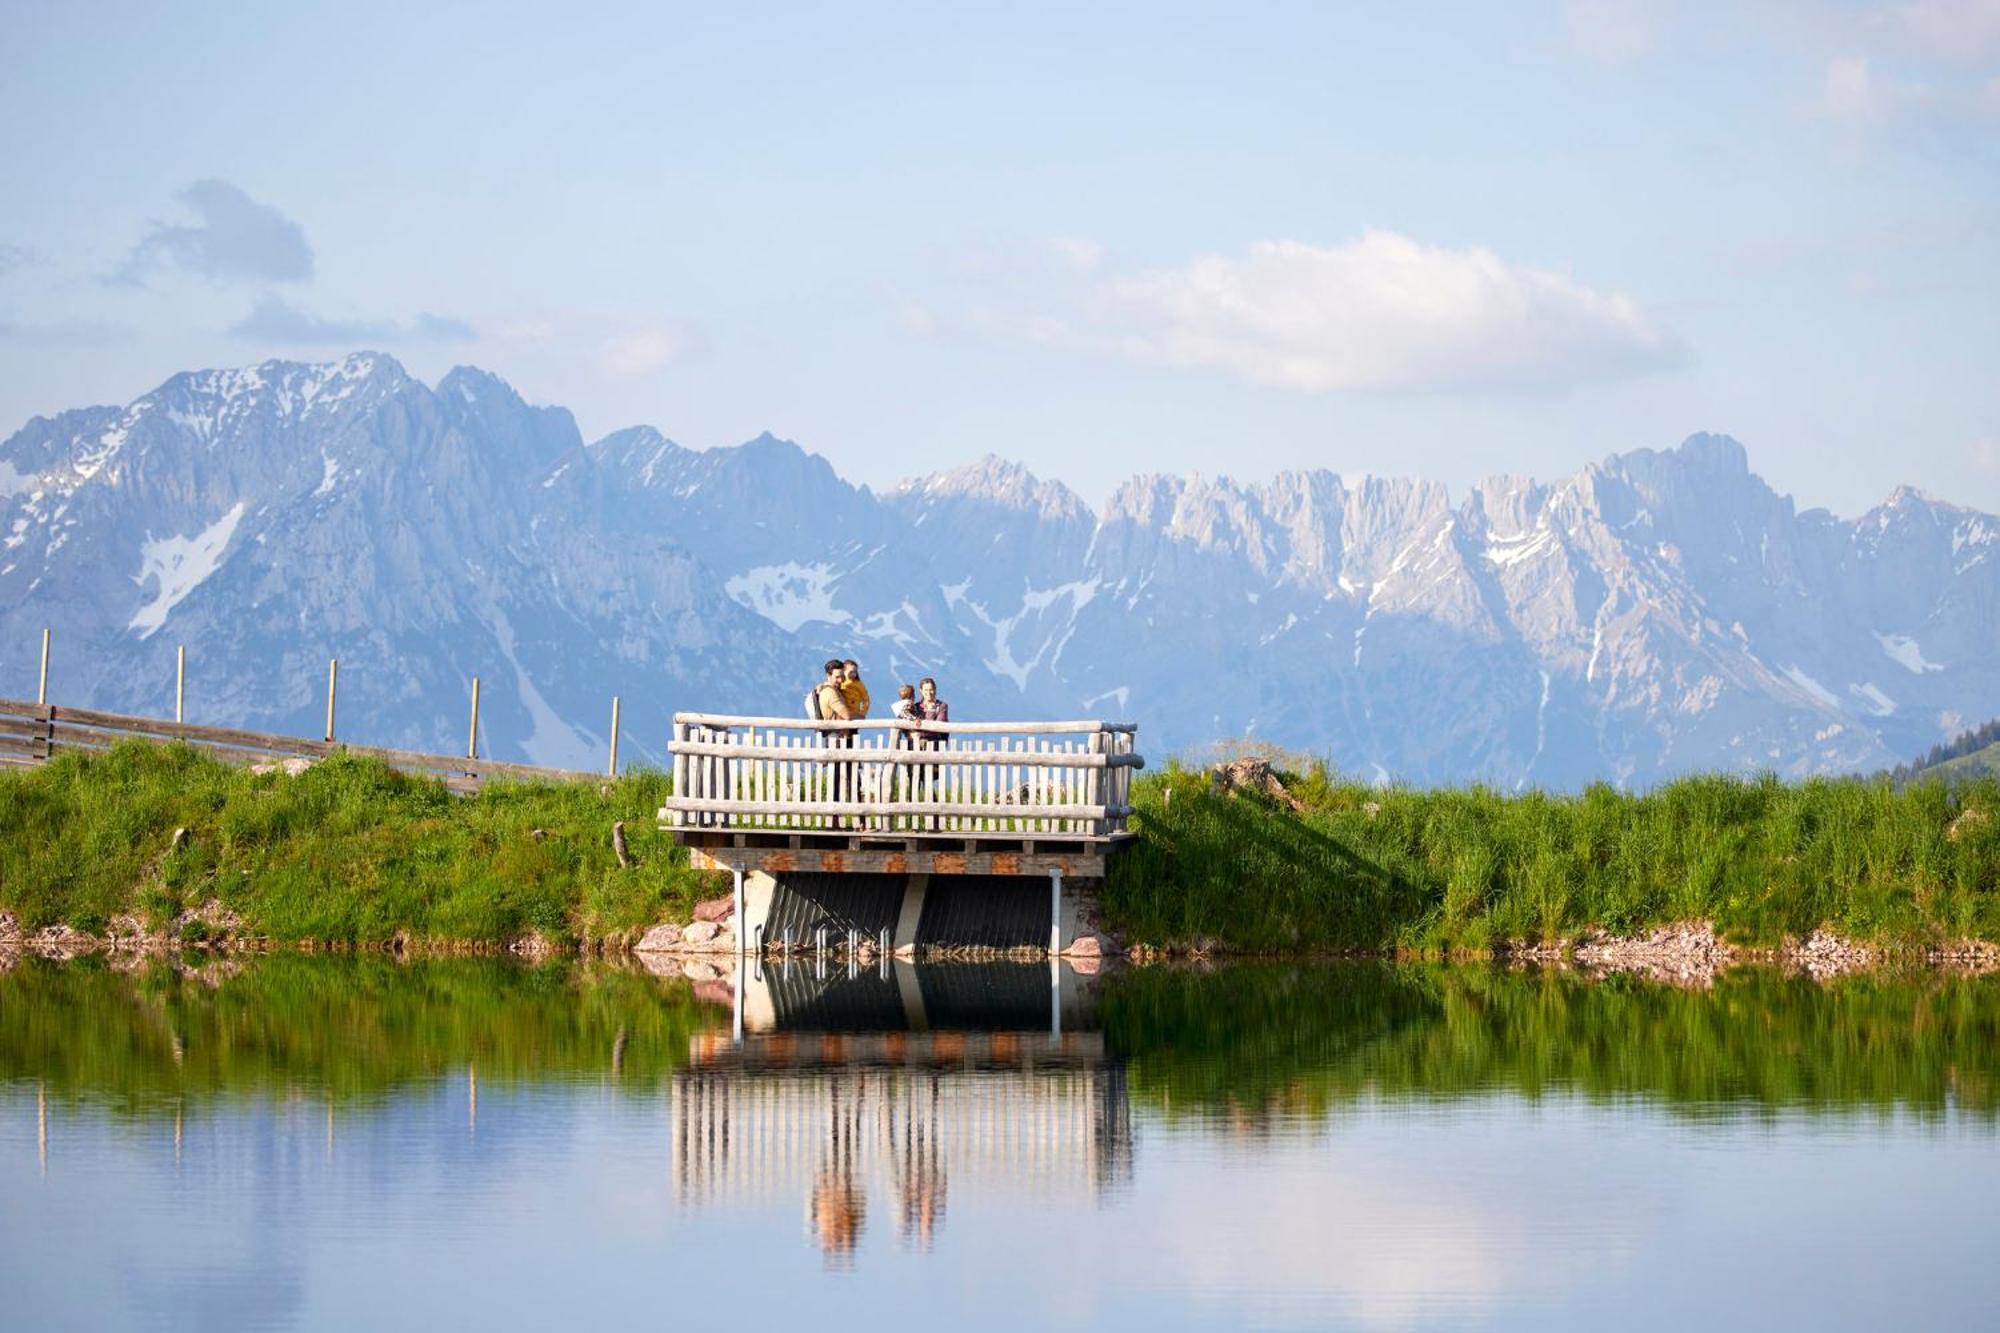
{"points": [[151, 848], [1678, 953]]}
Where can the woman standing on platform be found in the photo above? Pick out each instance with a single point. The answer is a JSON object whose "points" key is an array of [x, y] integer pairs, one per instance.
{"points": [[930, 708]]}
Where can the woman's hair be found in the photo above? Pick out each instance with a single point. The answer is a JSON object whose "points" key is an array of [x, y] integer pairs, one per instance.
{"points": [[930, 681], [907, 692]]}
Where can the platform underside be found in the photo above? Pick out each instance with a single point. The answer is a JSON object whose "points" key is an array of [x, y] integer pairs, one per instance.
{"points": [[847, 853]]}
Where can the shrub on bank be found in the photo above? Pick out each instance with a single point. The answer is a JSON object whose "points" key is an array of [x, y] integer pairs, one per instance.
{"points": [[348, 851], [1357, 867], [352, 851]]}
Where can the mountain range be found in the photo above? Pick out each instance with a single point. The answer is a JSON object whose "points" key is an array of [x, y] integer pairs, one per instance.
{"points": [[1659, 612]]}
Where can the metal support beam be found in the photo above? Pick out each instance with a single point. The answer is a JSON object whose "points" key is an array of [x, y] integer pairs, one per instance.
{"points": [[736, 873], [736, 1007]]}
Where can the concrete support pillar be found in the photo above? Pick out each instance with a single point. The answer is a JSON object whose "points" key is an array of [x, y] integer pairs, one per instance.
{"points": [[1055, 911], [904, 943]]}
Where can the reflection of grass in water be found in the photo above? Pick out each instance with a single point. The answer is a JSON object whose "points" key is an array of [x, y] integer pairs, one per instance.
{"points": [[345, 1027], [349, 850], [1464, 868], [1247, 1041], [1250, 1041]]}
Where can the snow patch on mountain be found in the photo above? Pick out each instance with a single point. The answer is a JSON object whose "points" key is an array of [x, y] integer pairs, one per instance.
{"points": [[790, 596], [1907, 653], [179, 565], [551, 741], [1811, 686], [1878, 703]]}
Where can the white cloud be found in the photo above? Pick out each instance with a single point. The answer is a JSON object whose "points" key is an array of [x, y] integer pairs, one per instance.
{"points": [[917, 318], [1851, 98], [274, 320], [1380, 312], [236, 240], [1986, 454], [1954, 31], [642, 352], [1612, 32], [1082, 255]]}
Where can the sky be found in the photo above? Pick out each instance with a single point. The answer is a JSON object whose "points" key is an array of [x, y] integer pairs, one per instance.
{"points": [[1098, 240]]}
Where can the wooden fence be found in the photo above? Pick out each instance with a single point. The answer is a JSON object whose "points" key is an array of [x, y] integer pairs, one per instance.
{"points": [[32, 733], [947, 778]]}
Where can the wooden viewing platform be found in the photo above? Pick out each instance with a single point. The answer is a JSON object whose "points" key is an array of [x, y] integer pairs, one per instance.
{"points": [[949, 798]]}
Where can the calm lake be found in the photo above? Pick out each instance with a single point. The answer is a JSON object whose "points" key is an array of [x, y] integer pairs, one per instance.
{"points": [[296, 1142]]}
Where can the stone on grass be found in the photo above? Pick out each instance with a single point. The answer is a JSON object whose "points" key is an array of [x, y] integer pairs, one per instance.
{"points": [[660, 939]]}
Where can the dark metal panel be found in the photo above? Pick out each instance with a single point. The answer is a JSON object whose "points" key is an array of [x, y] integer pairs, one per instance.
{"points": [[804, 901], [984, 912]]}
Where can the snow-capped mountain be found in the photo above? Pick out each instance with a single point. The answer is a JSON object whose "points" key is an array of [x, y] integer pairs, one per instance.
{"points": [[275, 517], [1657, 613]]}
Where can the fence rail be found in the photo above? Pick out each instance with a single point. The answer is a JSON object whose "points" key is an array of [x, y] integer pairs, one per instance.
{"points": [[33, 733], [947, 778]]}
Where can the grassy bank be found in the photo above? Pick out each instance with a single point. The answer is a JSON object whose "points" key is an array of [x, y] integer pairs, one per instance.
{"points": [[348, 851], [1359, 867], [353, 852]]}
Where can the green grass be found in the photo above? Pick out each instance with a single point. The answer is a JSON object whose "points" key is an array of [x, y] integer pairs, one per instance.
{"points": [[1465, 869], [356, 853], [348, 852]]}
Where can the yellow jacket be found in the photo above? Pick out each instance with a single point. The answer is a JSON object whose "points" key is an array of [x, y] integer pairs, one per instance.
{"points": [[856, 695]]}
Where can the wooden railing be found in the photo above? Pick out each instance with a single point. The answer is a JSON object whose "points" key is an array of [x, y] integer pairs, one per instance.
{"points": [[32, 733], [955, 778]]}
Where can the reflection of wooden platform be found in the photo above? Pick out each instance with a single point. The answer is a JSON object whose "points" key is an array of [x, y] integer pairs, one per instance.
{"points": [[936, 1050]]}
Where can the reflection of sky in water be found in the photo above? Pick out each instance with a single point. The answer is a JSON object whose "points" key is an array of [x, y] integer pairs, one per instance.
{"points": [[560, 1203]]}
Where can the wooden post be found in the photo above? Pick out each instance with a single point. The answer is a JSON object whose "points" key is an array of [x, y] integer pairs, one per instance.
{"points": [[611, 769], [42, 689], [680, 771], [332, 680], [472, 732], [180, 681]]}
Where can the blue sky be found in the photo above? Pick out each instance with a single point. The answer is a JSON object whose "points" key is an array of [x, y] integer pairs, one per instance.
{"points": [[1099, 240]]}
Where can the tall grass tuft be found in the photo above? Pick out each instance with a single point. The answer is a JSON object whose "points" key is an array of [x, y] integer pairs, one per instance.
{"points": [[349, 851], [1367, 868]]}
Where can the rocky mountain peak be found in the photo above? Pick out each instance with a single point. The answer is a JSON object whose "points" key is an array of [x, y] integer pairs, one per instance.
{"points": [[1657, 612], [996, 481]]}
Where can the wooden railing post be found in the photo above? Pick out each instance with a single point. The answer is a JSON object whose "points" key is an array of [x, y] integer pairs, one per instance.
{"points": [[332, 680], [680, 769], [42, 684], [180, 682], [472, 731]]}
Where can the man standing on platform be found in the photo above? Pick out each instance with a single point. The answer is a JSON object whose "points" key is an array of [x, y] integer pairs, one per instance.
{"points": [[831, 696]]}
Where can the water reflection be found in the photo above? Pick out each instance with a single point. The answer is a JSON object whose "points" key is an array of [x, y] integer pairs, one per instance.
{"points": [[360, 1142], [899, 1084]]}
